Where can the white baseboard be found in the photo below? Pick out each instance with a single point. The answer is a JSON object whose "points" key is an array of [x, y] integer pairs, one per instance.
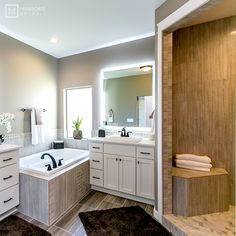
{"points": [[157, 216], [6, 214], [124, 195]]}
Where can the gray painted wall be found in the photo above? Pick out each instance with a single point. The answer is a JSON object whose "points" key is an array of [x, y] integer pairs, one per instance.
{"points": [[28, 78], [121, 96], [85, 69]]}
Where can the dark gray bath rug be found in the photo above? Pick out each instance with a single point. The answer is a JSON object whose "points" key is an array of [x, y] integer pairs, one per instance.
{"points": [[125, 221], [15, 226]]}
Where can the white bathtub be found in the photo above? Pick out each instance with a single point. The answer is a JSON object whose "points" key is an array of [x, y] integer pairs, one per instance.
{"points": [[35, 164]]}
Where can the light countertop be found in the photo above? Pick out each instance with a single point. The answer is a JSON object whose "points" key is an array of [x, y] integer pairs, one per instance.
{"points": [[143, 142], [8, 147]]}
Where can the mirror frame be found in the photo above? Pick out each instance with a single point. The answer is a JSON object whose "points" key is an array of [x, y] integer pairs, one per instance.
{"points": [[102, 94]]}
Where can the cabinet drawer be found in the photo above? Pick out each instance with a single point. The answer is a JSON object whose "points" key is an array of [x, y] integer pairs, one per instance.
{"points": [[96, 147], [8, 158], [96, 177], [122, 150], [9, 176], [96, 160], [145, 152], [9, 198]]}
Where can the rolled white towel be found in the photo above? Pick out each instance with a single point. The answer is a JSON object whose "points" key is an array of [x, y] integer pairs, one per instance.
{"points": [[192, 157], [194, 168], [193, 163]]}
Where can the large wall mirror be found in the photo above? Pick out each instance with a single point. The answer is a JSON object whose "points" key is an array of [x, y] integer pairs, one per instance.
{"points": [[128, 98]]}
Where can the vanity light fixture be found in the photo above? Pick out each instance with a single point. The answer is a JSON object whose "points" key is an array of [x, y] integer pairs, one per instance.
{"points": [[233, 32], [53, 40], [146, 68]]}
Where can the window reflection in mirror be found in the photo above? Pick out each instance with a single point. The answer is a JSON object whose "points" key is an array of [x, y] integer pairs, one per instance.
{"points": [[128, 98]]}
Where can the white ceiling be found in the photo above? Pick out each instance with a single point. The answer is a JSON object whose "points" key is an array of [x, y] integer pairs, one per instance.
{"points": [[79, 25]]}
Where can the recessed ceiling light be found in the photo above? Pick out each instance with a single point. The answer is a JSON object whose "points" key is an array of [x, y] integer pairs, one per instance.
{"points": [[146, 68], [233, 32], [53, 40]]}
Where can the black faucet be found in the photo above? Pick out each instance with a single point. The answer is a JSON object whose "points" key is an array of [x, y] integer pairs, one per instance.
{"points": [[54, 164], [124, 133]]}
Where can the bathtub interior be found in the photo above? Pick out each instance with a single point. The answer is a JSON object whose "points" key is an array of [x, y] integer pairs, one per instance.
{"points": [[34, 162]]}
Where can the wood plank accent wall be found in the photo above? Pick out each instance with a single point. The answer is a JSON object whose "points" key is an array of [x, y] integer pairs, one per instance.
{"points": [[167, 123], [204, 74]]}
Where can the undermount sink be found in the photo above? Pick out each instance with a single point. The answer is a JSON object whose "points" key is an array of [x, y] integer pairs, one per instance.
{"points": [[119, 139]]}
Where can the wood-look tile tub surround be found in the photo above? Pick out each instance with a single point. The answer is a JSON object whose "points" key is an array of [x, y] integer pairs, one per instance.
{"points": [[47, 200]]}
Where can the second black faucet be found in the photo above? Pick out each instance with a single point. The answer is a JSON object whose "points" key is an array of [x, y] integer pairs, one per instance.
{"points": [[124, 133]]}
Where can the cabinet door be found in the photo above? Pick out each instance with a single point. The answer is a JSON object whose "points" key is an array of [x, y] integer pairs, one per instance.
{"points": [[111, 165], [145, 178], [127, 174]]}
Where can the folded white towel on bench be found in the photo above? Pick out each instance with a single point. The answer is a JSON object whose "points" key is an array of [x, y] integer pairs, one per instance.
{"points": [[193, 168], [192, 163], [192, 157]]}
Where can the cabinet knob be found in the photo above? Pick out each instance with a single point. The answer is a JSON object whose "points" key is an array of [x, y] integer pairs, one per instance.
{"points": [[116, 159], [138, 162], [120, 159]]}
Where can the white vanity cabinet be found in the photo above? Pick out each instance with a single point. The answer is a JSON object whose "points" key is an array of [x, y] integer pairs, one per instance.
{"points": [[119, 173], [126, 170], [119, 167], [145, 172], [9, 179], [96, 163]]}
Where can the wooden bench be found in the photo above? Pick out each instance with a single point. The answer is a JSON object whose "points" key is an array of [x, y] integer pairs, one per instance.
{"points": [[198, 192]]}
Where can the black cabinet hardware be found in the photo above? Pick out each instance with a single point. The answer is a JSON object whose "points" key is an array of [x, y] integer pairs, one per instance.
{"points": [[96, 147], [95, 161], [10, 176], [8, 200], [145, 153], [94, 177], [8, 159]]}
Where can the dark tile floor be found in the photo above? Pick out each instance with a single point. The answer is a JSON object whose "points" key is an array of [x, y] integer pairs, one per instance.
{"points": [[71, 224]]}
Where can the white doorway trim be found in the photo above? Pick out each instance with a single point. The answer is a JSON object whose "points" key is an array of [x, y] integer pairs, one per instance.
{"points": [[171, 20]]}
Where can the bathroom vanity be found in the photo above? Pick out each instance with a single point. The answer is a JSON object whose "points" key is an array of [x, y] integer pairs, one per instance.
{"points": [[123, 168], [9, 179]]}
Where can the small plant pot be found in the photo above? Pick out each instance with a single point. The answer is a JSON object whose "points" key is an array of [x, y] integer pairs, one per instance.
{"points": [[77, 134]]}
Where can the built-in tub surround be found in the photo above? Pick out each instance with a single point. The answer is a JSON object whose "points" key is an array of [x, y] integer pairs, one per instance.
{"points": [[48, 197], [67, 157]]}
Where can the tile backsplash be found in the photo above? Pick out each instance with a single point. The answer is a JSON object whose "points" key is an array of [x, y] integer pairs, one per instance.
{"points": [[24, 140]]}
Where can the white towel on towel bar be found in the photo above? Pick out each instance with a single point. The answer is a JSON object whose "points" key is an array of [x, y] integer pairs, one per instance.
{"points": [[192, 157], [37, 128], [193, 168], [193, 163]]}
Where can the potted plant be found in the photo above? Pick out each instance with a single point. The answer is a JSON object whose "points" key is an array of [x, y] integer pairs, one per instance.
{"points": [[77, 133]]}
